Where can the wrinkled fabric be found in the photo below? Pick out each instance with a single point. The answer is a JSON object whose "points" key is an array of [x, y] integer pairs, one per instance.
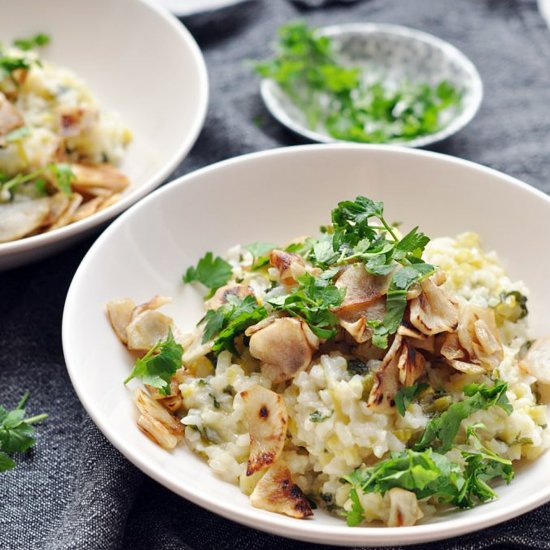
{"points": [[74, 490]]}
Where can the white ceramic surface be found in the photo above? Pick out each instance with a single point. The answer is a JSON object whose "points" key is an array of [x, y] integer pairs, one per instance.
{"points": [[391, 53], [273, 196], [544, 7], [183, 8], [139, 61]]}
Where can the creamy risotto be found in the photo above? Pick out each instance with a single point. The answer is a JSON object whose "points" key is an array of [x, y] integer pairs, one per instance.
{"points": [[380, 376], [58, 148]]}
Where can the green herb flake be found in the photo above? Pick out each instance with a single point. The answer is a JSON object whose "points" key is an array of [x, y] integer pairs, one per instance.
{"points": [[318, 416]]}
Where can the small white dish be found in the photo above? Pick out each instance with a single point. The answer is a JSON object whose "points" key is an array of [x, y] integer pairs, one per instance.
{"points": [[139, 61], [273, 196], [392, 53], [184, 8]]}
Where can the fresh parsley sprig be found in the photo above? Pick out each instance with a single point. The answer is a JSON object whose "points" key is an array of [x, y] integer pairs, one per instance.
{"points": [[159, 364], [16, 432], [211, 271]]}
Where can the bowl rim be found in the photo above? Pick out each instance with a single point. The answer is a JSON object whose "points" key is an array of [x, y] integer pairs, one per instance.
{"points": [[274, 523], [82, 226], [268, 86]]}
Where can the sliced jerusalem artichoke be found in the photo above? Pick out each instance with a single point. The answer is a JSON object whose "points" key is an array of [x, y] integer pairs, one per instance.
{"points": [[433, 311], [362, 288], [10, 117], [86, 209], [356, 323], [537, 360], [18, 219], [410, 364], [103, 176], [120, 315], [221, 295], [67, 217], [402, 365], [276, 492], [404, 508], [157, 423], [386, 379], [284, 347], [173, 401], [265, 412], [478, 335], [290, 266], [139, 327], [148, 328], [58, 206]]}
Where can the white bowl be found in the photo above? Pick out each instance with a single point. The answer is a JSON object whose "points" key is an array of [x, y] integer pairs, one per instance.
{"points": [[273, 196], [392, 53], [184, 8], [141, 62]]}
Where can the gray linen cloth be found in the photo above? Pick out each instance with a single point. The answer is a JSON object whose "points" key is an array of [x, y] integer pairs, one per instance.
{"points": [[74, 490]]}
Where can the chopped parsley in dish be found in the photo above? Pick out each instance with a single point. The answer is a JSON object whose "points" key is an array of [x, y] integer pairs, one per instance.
{"points": [[344, 101]]}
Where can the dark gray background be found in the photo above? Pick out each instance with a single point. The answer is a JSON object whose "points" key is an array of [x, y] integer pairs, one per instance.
{"points": [[74, 490]]}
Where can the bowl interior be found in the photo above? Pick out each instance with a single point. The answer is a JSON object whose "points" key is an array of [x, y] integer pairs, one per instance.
{"points": [[392, 54], [160, 92], [274, 196]]}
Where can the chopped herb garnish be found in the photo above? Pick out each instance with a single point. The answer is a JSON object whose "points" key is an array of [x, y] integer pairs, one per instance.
{"points": [[37, 41], [406, 395], [230, 320], [312, 300], [260, 251], [16, 433], [442, 430], [212, 272], [318, 416], [430, 474], [61, 175], [341, 101], [159, 364]]}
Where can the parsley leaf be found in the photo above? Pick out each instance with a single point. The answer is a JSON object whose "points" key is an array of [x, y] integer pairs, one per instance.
{"points": [[212, 272], [406, 395], [481, 467], [443, 429], [159, 364], [36, 41], [312, 300], [16, 432], [231, 320]]}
